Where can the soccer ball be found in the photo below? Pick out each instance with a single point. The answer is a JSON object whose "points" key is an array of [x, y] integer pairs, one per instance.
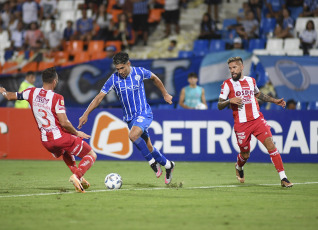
{"points": [[113, 181]]}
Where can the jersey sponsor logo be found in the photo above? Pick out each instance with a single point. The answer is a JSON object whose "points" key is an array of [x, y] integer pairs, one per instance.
{"points": [[137, 77], [140, 119], [42, 100], [110, 136], [62, 102], [130, 87]]}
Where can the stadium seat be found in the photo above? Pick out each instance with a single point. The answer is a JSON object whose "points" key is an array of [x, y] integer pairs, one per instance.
{"points": [[256, 44], [313, 52], [44, 65], [81, 57], [32, 66], [61, 57], [228, 22], [217, 45], [74, 46], [295, 11], [155, 15], [117, 44], [98, 55], [10, 68], [200, 47], [301, 105], [115, 13], [267, 26], [291, 44], [185, 54], [67, 15], [275, 46], [313, 105], [213, 105], [96, 46], [273, 106]]}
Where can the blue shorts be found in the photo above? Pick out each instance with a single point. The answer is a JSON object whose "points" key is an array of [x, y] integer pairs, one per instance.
{"points": [[143, 122]]}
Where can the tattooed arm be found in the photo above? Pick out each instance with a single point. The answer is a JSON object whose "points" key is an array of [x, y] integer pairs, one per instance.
{"points": [[224, 103], [268, 98]]}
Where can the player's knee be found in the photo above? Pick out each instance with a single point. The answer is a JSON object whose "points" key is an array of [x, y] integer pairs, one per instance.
{"points": [[133, 137], [245, 155], [93, 154]]}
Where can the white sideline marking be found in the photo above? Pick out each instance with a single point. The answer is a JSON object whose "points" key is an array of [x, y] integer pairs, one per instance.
{"points": [[145, 189]]}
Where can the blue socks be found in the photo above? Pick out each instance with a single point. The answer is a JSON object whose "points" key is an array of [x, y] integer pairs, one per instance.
{"points": [[142, 146], [160, 158]]}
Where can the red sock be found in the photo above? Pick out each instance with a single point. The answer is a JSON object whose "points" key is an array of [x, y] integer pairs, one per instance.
{"points": [[84, 165], [70, 162], [277, 160], [240, 160]]}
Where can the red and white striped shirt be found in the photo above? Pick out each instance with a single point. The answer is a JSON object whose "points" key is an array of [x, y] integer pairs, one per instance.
{"points": [[244, 88], [45, 105]]}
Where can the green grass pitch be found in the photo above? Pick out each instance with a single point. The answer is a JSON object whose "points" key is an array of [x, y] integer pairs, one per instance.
{"points": [[37, 195]]}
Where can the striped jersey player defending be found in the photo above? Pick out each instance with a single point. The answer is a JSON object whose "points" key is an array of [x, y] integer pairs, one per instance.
{"points": [[129, 87], [57, 133], [240, 92]]}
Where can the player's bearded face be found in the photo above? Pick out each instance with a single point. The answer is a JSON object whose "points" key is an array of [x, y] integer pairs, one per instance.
{"points": [[236, 70]]}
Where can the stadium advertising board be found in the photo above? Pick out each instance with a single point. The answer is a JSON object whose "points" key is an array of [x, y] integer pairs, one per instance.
{"points": [[183, 135]]}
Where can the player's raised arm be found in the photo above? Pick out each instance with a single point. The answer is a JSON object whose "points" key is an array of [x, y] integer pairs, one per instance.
{"points": [[95, 102], [10, 96], [267, 98], [158, 83]]}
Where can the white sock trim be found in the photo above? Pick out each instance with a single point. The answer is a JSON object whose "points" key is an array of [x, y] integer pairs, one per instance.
{"points": [[151, 161], [282, 175], [168, 164]]}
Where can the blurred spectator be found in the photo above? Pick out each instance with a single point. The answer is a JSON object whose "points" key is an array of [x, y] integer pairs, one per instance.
{"points": [[84, 27], [5, 15], [248, 28], [216, 4], [93, 4], [34, 37], [31, 12], [124, 30], [4, 39], [172, 46], [285, 26], [192, 96], [17, 37], [13, 23], [275, 8], [291, 104], [110, 51], [310, 8], [53, 38], [208, 29], [237, 43], [256, 7], [242, 15], [27, 83], [49, 8], [308, 37], [268, 89], [140, 18], [171, 16], [119, 4], [103, 20], [68, 33]]}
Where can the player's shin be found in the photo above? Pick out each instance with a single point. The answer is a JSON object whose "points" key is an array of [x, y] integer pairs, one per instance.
{"points": [[70, 162], [278, 163], [160, 158], [240, 161], [84, 165], [142, 147]]}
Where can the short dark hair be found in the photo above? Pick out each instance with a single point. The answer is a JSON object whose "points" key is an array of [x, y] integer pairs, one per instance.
{"points": [[290, 102], [49, 75], [30, 73], [234, 59], [192, 74], [120, 58]]}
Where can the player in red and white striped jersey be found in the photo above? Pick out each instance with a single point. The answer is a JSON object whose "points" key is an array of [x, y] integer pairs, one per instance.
{"points": [[241, 93], [58, 135]]}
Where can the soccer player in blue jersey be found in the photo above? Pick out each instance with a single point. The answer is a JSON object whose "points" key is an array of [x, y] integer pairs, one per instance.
{"points": [[129, 87]]}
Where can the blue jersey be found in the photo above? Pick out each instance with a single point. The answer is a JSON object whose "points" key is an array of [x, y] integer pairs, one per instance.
{"points": [[130, 92]]}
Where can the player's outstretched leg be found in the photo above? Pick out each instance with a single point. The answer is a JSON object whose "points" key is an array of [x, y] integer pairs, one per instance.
{"points": [[85, 164], [239, 167], [169, 165], [71, 164], [142, 147], [278, 163]]}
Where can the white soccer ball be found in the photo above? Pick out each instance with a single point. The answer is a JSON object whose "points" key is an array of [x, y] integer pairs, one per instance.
{"points": [[113, 181]]}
